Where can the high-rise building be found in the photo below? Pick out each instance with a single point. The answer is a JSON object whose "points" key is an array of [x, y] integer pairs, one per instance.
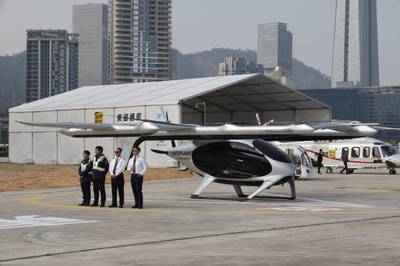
{"points": [[90, 22], [274, 46], [51, 63], [236, 66], [355, 51], [140, 40]]}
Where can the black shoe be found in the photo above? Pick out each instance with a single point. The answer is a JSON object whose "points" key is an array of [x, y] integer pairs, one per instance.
{"points": [[112, 206], [82, 204], [134, 207], [141, 207], [94, 205], [121, 206], [102, 205]]}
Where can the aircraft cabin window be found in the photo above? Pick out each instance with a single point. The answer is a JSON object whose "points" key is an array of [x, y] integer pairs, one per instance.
{"points": [[376, 153], [355, 152], [345, 149], [271, 151], [366, 152]]}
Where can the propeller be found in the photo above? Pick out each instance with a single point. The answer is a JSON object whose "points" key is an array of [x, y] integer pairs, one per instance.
{"points": [[259, 122], [168, 122]]}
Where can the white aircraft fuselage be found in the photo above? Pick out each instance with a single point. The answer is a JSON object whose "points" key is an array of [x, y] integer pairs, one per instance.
{"points": [[236, 162]]}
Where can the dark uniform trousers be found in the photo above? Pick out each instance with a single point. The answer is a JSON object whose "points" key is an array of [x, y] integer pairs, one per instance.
{"points": [[85, 187], [117, 184], [98, 186], [136, 183], [319, 163], [345, 167]]}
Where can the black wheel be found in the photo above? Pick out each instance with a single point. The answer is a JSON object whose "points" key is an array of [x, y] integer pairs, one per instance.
{"points": [[392, 172], [351, 171], [329, 170]]}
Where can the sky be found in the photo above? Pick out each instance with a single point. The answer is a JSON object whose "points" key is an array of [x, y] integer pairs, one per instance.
{"points": [[199, 25]]}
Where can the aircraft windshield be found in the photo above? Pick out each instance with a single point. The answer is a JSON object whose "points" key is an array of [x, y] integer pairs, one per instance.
{"points": [[388, 151]]}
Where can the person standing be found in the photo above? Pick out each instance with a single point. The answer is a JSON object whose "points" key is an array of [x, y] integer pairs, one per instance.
{"points": [[99, 171], [345, 159], [138, 167], [84, 171], [116, 170], [320, 158]]}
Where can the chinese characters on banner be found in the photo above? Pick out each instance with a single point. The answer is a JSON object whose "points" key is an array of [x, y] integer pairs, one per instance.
{"points": [[128, 117]]}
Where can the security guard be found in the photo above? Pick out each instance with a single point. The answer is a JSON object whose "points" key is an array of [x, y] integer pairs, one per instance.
{"points": [[100, 167], [138, 167], [84, 172]]}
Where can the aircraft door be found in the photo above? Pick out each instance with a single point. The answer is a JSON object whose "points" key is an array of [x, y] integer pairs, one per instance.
{"points": [[376, 154], [305, 165]]}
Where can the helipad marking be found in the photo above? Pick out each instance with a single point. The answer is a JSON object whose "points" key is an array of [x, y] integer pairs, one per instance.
{"points": [[305, 209], [259, 211], [38, 220]]}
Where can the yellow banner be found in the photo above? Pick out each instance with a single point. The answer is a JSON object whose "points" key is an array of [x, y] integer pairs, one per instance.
{"points": [[98, 117]]}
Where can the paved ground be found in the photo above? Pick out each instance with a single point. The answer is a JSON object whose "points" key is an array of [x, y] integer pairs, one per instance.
{"points": [[336, 220]]}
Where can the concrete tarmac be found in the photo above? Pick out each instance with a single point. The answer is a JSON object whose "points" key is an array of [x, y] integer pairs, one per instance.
{"points": [[336, 220]]}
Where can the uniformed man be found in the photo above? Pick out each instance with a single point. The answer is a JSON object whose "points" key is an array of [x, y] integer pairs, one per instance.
{"points": [[138, 167], [99, 171], [116, 170], [84, 172], [345, 159], [320, 158]]}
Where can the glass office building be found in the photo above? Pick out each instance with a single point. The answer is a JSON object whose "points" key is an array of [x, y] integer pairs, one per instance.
{"points": [[355, 48], [274, 46]]}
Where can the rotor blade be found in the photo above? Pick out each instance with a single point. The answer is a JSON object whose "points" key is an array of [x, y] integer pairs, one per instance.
{"points": [[68, 125], [387, 128]]}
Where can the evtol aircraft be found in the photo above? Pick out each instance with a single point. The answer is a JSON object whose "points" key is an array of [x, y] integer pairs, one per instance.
{"points": [[228, 154]]}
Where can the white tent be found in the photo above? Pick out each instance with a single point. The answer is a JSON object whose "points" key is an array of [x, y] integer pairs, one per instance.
{"points": [[227, 99]]}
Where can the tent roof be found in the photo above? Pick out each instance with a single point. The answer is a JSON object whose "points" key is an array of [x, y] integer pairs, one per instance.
{"points": [[244, 92]]}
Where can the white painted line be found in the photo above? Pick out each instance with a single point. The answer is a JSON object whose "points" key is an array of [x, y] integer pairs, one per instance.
{"points": [[37, 220], [337, 203], [304, 209], [333, 205]]}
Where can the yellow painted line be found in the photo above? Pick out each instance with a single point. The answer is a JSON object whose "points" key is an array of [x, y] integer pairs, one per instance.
{"points": [[384, 189], [37, 201]]}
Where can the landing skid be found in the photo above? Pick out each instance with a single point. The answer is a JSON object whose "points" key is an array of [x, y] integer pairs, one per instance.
{"points": [[207, 180], [267, 184]]}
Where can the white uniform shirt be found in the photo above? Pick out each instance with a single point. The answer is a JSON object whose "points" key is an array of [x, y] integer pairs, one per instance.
{"points": [[120, 166], [140, 165]]}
